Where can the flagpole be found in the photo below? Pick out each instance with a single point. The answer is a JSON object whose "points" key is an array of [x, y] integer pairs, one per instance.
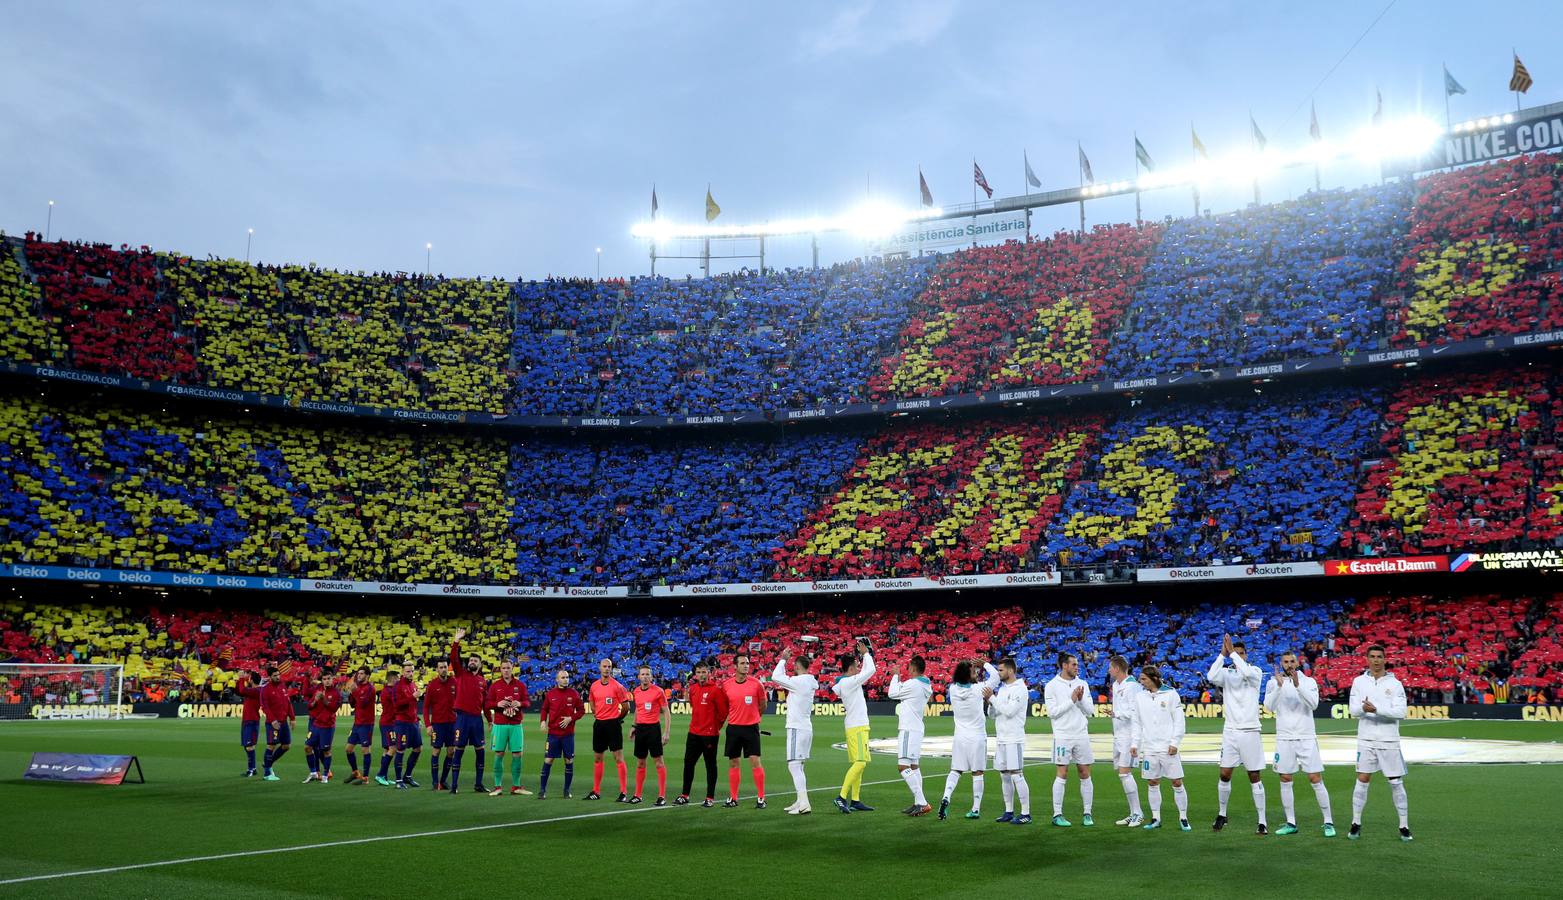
{"points": [[1080, 167], [1516, 52], [1195, 185], [974, 201], [1026, 180], [1137, 219], [1448, 121], [1253, 141]]}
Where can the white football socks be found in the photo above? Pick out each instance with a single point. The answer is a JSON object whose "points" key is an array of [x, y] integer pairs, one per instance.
{"points": [[1087, 793], [1223, 795], [1058, 795], [1323, 796], [1132, 793]]}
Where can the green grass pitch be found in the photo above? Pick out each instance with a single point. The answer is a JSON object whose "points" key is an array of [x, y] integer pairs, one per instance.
{"points": [[1480, 830]]}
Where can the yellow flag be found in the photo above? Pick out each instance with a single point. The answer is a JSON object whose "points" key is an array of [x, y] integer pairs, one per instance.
{"points": [[712, 210]]}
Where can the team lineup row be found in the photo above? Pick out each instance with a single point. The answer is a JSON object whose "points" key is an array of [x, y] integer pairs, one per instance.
{"points": [[461, 709]]}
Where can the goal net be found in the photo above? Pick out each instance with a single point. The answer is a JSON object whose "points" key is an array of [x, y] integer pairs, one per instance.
{"points": [[60, 691]]}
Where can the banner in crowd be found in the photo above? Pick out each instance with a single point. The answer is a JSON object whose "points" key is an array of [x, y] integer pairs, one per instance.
{"points": [[849, 586], [81, 767], [1224, 573], [1544, 560], [1387, 565], [1191, 709], [1495, 139], [1030, 395], [979, 229]]}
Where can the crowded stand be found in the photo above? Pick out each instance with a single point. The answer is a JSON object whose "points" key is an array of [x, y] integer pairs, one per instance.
{"points": [[1455, 255], [1482, 255], [1180, 640], [1038, 312], [1478, 648], [1464, 463], [1295, 279], [1442, 464], [109, 305]]}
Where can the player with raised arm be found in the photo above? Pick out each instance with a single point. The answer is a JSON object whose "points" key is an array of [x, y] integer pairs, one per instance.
{"points": [[911, 698], [325, 698], [707, 712], [504, 706], [1070, 706], [390, 747], [969, 750], [278, 710], [409, 739], [562, 708], [800, 687], [1009, 704], [360, 698], [1291, 696], [609, 701], [470, 691], [439, 720], [1241, 743], [745, 705], [653, 726], [248, 689], [856, 669], [1157, 735], [1378, 701], [1125, 692]]}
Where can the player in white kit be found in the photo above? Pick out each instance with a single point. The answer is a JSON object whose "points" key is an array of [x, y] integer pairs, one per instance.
{"points": [[1009, 705], [969, 752], [1378, 700], [1125, 692], [912, 696], [800, 687], [1070, 706], [1158, 736], [1292, 697], [1241, 743]]}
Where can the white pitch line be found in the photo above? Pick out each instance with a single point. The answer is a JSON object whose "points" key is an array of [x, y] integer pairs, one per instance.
{"points": [[348, 842]]}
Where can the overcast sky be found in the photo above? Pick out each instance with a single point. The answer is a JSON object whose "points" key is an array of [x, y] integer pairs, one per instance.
{"points": [[350, 134]]}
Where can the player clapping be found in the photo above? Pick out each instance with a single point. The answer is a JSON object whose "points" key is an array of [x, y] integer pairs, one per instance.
{"points": [[1009, 704], [324, 700], [360, 698], [800, 687], [969, 752], [1241, 743], [1070, 708], [912, 705], [1125, 702], [1292, 697], [1157, 736]]}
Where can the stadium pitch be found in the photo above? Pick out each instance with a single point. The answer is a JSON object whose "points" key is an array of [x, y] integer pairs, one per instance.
{"points": [[198, 829]]}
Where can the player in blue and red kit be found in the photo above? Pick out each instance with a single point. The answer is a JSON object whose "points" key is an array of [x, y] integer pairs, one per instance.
{"points": [[409, 740], [390, 747], [249, 719], [562, 708], [324, 700], [439, 720], [361, 698], [278, 709], [470, 689]]}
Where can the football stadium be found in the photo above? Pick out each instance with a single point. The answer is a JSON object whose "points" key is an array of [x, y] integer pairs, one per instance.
{"points": [[1153, 525]]}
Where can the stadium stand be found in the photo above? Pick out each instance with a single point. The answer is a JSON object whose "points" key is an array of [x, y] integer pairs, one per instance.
{"points": [[1478, 648], [108, 304], [1482, 255], [1182, 641], [1464, 463], [1038, 312], [1294, 279], [1462, 254]]}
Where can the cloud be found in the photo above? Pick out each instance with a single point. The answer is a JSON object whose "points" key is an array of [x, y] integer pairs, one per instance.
{"points": [[868, 28]]}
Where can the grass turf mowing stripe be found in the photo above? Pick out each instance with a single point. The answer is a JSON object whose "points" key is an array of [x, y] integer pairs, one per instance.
{"points": [[348, 842]]}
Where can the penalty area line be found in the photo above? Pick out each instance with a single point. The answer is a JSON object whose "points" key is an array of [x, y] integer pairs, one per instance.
{"points": [[349, 842]]}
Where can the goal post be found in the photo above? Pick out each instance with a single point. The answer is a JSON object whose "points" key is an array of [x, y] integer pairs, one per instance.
{"points": [[61, 691]]}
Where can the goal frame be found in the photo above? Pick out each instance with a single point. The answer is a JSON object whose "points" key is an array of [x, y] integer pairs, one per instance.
{"points": [[116, 678]]}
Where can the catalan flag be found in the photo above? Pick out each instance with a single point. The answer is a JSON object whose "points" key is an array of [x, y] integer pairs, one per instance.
{"points": [[1199, 145], [285, 668], [712, 210], [1520, 81], [1259, 136]]}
